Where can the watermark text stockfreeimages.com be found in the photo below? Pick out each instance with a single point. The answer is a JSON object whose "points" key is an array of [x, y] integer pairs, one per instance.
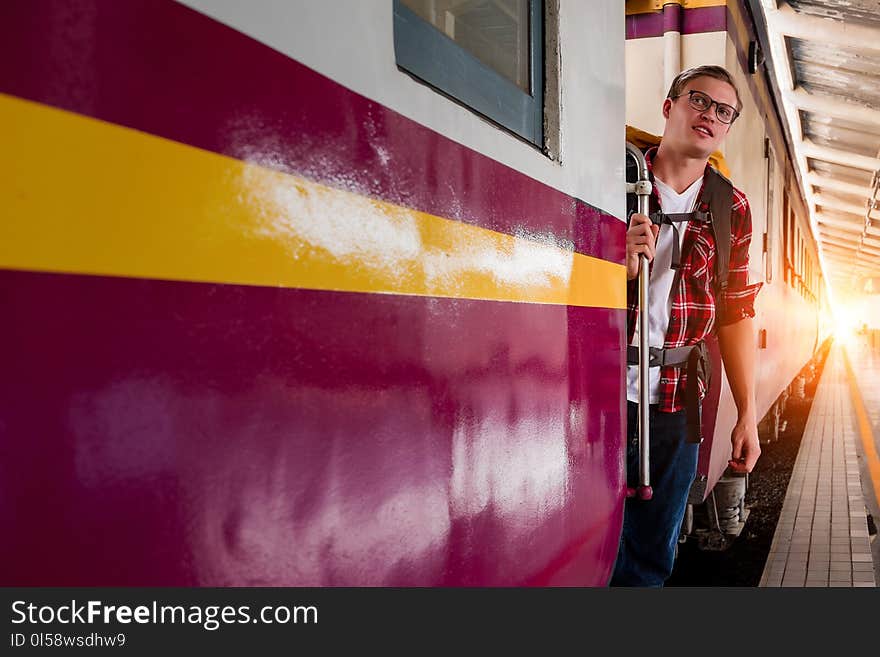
{"points": [[210, 617]]}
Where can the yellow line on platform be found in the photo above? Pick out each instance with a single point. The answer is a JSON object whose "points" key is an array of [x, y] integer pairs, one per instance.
{"points": [[865, 431]]}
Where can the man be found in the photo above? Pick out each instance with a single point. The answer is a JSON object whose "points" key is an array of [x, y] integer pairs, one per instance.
{"points": [[686, 304]]}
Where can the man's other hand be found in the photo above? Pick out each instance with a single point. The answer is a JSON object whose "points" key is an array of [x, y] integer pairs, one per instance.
{"points": [[746, 446]]}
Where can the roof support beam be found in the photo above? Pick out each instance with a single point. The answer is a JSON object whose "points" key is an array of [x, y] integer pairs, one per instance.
{"points": [[851, 243], [842, 265], [839, 233], [873, 239], [843, 260], [836, 204], [845, 256], [844, 158], [830, 216], [841, 242], [786, 20], [843, 274], [857, 226], [851, 268], [838, 109], [834, 185]]}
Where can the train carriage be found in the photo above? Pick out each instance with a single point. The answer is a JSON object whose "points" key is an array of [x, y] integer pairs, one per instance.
{"points": [[305, 293], [284, 315]]}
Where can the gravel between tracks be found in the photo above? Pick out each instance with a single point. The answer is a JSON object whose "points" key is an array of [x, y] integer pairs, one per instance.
{"points": [[743, 562]]}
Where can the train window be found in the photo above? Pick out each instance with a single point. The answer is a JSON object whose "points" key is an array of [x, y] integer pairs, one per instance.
{"points": [[768, 223], [790, 251], [486, 54], [799, 262], [808, 268], [795, 265], [785, 236], [810, 286]]}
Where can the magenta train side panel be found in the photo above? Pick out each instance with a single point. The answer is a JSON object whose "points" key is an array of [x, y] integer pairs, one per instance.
{"points": [[172, 433], [163, 433], [694, 20]]}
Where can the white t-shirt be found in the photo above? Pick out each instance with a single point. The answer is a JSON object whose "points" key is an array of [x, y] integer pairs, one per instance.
{"points": [[660, 284]]}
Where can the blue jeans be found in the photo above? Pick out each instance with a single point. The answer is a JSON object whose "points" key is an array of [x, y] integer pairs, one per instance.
{"points": [[651, 528]]}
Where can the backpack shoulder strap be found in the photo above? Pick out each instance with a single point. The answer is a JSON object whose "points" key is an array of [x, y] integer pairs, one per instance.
{"points": [[718, 195]]}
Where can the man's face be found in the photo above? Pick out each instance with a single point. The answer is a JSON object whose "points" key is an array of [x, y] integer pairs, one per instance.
{"points": [[696, 133]]}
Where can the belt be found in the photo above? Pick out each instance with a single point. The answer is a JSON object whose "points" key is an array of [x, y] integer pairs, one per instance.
{"points": [[696, 358], [670, 357]]}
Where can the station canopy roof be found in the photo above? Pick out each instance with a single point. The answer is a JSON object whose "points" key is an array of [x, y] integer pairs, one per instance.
{"points": [[824, 62]]}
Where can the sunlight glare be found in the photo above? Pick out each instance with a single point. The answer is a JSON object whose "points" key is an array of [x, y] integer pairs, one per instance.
{"points": [[845, 323]]}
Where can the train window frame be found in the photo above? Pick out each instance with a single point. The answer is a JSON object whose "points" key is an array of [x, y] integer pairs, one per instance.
{"points": [[794, 250], [784, 227], [426, 53], [770, 200]]}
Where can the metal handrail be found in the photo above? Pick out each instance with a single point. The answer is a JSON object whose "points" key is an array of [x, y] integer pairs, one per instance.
{"points": [[642, 189]]}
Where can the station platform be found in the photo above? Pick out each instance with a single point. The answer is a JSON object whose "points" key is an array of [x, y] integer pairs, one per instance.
{"points": [[822, 536]]}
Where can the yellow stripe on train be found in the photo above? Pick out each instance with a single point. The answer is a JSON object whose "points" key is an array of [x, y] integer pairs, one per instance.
{"points": [[89, 197]]}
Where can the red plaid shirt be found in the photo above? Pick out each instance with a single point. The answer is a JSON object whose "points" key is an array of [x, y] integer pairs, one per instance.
{"points": [[695, 309]]}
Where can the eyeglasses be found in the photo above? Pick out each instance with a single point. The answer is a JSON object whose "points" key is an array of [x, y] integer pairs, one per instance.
{"points": [[702, 102]]}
